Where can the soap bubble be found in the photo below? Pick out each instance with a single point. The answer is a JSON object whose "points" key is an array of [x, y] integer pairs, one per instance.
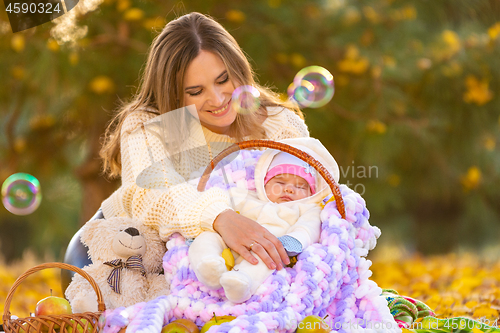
{"points": [[21, 194], [246, 99], [312, 87]]}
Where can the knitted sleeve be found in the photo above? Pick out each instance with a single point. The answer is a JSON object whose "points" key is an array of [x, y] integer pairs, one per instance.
{"points": [[173, 208], [285, 124]]}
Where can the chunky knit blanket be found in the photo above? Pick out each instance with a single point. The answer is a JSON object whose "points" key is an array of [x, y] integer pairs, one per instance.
{"points": [[330, 278]]}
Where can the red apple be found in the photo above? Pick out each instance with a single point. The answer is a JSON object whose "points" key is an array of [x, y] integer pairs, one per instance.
{"points": [[52, 305], [216, 321], [313, 324], [181, 326]]}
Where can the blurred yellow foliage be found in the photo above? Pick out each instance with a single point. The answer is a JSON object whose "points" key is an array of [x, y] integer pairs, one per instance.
{"points": [[353, 62], [18, 72], [274, 3], [52, 45], [494, 31], [376, 126], [236, 16], [155, 23], [394, 180], [281, 58], [297, 60], [437, 281], [133, 14], [42, 121], [448, 45], [102, 84], [371, 14], [34, 288], [17, 42], [489, 143], [351, 16], [122, 5], [478, 92], [73, 58], [432, 279], [406, 13], [471, 179], [452, 40]]}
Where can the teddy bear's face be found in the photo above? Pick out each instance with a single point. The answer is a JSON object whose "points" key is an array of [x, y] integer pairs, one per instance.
{"points": [[129, 242]]}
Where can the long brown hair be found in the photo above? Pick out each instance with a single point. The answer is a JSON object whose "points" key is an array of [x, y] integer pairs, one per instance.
{"points": [[162, 80]]}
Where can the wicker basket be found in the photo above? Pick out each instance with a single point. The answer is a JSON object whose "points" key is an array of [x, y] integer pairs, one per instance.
{"points": [[86, 322], [278, 146]]}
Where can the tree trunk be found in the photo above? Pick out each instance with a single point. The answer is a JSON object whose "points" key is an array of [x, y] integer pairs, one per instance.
{"points": [[96, 188]]}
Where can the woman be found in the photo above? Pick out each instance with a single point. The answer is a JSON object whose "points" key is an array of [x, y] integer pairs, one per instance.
{"points": [[195, 61]]}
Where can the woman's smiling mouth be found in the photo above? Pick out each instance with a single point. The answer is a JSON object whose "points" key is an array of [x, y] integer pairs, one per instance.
{"points": [[221, 110]]}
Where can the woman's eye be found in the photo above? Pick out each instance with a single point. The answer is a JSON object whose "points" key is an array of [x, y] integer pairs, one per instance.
{"points": [[224, 80], [194, 93]]}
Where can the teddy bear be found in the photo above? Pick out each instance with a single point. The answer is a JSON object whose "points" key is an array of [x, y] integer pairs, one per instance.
{"points": [[126, 265]]}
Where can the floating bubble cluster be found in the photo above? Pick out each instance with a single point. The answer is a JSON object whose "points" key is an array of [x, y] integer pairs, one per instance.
{"points": [[246, 99], [21, 194], [312, 87]]}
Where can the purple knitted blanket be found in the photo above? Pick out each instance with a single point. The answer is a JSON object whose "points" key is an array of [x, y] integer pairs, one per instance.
{"points": [[330, 278]]}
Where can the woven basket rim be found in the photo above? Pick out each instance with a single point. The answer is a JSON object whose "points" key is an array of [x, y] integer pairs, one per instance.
{"points": [[51, 321], [278, 146]]}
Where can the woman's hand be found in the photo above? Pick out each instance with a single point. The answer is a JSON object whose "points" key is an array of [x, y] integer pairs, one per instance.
{"points": [[242, 234]]}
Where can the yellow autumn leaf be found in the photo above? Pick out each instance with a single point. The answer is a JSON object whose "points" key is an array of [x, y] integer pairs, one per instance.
{"points": [[235, 16], [297, 60], [494, 31], [102, 85], [133, 14], [472, 178], [17, 43], [122, 5], [376, 126], [52, 45], [478, 91], [485, 310]]}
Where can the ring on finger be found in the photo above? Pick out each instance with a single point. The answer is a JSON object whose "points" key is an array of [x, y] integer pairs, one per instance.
{"points": [[250, 247]]}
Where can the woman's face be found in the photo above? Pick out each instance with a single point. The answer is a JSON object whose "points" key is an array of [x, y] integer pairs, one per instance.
{"points": [[208, 87]]}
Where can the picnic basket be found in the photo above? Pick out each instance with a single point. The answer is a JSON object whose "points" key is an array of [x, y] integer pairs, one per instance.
{"points": [[278, 146], [86, 322]]}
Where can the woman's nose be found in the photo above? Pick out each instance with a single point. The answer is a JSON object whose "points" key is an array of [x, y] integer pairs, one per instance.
{"points": [[216, 97]]}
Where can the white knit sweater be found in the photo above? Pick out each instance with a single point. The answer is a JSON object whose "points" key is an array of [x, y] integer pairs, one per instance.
{"points": [[177, 206]]}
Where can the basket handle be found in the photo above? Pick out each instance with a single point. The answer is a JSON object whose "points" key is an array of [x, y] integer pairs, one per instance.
{"points": [[100, 303], [278, 146]]}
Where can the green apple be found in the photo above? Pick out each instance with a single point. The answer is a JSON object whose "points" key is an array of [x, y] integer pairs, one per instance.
{"points": [[313, 324], [79, 328], [181, 326], [216, 321]]}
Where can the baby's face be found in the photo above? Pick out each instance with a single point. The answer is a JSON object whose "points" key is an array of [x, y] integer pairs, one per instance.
{"points": [[287, 187]]}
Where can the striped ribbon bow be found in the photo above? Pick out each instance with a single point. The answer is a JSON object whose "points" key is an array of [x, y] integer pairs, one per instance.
{"points": [[133, 262]]}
